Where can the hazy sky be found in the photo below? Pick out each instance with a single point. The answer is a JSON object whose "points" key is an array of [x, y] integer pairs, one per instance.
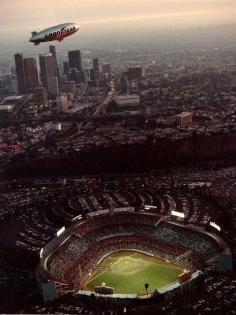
{"points": [[25, 15]]}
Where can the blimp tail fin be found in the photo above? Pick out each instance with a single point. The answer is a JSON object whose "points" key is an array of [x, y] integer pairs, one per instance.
{"points": [[34, 33]]}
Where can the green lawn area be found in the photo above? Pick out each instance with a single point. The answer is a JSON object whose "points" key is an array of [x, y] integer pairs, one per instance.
{"points": [[127, 272]]}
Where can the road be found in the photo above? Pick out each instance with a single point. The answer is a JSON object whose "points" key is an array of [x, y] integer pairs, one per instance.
{"points": [[101, 110]]}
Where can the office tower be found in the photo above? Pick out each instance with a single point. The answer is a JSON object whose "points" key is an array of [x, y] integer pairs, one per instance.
{"points": [[123, 84], [49, 80], [8, 83], [20, 72], [86, 74], [66, 67], [40, 95], [53, 88], [74, 75], [96, 69], [31, 73], [91, 74], [69, 87], [75, 61], [106, 69], [46, 67], [135, 74], [52, 50]]}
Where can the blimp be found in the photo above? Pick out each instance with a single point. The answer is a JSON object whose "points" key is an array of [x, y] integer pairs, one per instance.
{"points": [[54, 33]]}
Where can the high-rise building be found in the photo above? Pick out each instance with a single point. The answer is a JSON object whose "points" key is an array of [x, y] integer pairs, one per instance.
{"points": [[66, 67], [46, 67], [86, 75], [49, 79], [123, 84], [75, 61], [52, 50], [20, 72], [96, 69], [53, 88], [135, 74], [40, 95], [91, 74], [69, 87], [74, 75], [31, 73], [9, 83], [106, 69]]}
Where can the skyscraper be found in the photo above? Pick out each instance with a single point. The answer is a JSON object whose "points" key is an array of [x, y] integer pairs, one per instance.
{"points": [[66, 67], [49, 79], [31, 73], [75, 61], [52, 50], [20, 72], [74, 75], [91, 75], [106, 71], [53, 88], [96, 69]]}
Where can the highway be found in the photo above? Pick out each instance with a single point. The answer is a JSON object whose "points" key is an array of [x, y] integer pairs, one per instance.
{"points": [[101, 110]]}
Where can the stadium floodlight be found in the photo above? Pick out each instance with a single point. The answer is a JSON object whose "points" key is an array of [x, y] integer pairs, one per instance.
{"points": [[78, 217], [146, 285], [178, 214], [41, 253], [61, 231], [148, 207], [216, 226]]}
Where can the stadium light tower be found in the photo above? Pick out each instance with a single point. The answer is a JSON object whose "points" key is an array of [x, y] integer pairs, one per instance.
{"points": [[146, 285]]}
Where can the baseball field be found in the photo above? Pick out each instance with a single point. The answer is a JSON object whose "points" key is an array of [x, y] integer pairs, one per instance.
{"points": [[128, 271]]}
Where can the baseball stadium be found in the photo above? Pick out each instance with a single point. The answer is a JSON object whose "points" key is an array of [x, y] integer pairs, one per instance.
{"points": [[127, 254]]}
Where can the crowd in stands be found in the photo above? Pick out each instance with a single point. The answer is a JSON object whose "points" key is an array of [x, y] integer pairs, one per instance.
{"points": [[161, 231]]}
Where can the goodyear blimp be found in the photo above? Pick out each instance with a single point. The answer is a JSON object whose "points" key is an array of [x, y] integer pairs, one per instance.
{"points": [[57, 32]]}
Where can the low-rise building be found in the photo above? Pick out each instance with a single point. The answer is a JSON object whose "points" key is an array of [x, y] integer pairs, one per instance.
{"points": [[128, 100], [184, 119]]}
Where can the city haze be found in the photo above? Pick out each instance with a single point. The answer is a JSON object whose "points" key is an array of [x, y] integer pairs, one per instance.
{"points": [[119, 24], [98, 15]]}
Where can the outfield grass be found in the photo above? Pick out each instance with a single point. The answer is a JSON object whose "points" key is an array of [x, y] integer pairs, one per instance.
{"points": [[127, 272]]}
